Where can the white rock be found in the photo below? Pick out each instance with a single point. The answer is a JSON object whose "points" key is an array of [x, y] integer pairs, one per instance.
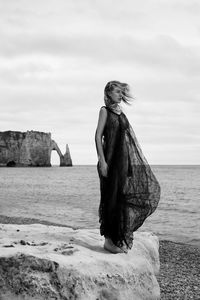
{"points": [[62, 263]]}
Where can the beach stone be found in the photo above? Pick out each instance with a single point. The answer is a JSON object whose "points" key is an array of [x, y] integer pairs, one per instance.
{"points": [[57, 268]]}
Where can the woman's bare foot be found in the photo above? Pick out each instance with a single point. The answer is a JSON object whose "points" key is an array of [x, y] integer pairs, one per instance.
{"points": [[109, 246], [124, 248]]}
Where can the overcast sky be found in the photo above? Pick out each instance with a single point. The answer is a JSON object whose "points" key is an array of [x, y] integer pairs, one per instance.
{"points": [[56, 57]]}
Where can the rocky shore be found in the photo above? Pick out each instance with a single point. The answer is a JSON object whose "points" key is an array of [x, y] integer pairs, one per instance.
{"points": [[179, 276], [49, 262]]}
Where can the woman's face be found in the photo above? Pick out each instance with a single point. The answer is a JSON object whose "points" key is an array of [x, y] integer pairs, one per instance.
{"points": [[116, 94]]}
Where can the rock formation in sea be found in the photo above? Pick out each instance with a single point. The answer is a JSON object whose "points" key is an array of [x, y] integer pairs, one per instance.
{"points": [[48, 262], [31, 148]]}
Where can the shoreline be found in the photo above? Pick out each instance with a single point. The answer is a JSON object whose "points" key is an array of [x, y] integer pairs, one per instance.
{"points": [[28, 221]]}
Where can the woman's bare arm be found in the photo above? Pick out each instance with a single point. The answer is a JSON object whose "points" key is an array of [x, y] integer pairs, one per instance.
{"points": [[98, 140]]}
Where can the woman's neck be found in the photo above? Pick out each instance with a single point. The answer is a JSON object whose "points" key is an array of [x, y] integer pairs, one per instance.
{"points": [[115, 107]]}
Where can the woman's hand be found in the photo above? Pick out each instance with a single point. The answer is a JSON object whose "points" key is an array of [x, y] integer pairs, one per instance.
{"points": [[103, 168]]}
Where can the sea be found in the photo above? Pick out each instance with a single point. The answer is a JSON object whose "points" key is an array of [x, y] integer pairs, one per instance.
{"points": [[69, 196]]}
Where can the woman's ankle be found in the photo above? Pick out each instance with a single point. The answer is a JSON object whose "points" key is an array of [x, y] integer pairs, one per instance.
{"points": [[111, 247]]}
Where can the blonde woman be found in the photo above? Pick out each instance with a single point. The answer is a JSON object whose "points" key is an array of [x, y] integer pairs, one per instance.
{"points": [[129, 190]]}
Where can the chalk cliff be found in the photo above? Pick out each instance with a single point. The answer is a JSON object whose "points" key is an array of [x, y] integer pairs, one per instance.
{"points": [[31, 148], [48, 262]]}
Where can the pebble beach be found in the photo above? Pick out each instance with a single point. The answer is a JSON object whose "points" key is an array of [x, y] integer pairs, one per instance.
{"points": [[179, 276]]}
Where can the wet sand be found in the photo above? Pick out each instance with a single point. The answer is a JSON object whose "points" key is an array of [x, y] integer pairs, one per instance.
{"points": [[21, 220]]}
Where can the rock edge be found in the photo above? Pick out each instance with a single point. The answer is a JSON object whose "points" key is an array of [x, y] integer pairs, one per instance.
{"points": [[49, 262]]}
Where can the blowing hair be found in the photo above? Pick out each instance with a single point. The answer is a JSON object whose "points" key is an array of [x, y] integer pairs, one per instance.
{"points": [[124, 87]]}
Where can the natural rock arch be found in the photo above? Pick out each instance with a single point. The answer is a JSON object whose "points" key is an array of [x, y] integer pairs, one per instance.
{"points": [[65, 160], [11, 163]]}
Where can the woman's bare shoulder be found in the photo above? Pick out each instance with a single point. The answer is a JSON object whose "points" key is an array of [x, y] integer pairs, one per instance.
{"points": [[103, 110]]}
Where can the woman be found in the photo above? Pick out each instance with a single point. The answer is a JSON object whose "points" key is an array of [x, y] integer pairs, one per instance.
{"points": [[129, 190]]}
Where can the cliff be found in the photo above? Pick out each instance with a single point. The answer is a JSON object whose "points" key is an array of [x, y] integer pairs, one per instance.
{"points": [[48, 262], [31, 148]]}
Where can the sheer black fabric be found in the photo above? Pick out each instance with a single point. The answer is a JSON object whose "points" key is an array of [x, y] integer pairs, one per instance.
{"points": [[130, 192]]}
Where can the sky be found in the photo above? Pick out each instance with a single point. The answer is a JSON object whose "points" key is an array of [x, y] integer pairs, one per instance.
{"points": [[56, 57]]}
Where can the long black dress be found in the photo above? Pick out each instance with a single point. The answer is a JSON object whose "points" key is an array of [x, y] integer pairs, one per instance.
{"points": [[130, 192]]}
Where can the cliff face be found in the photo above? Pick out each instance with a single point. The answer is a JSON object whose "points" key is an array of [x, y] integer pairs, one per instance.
{"points": [[47, 262], [31, 148]]}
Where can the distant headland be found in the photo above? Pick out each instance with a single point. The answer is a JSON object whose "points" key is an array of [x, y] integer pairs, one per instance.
{"points": [[30, 149]]}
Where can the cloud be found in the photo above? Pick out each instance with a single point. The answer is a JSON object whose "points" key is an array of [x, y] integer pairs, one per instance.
{"points": [[57, 56], [163, 53]]}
